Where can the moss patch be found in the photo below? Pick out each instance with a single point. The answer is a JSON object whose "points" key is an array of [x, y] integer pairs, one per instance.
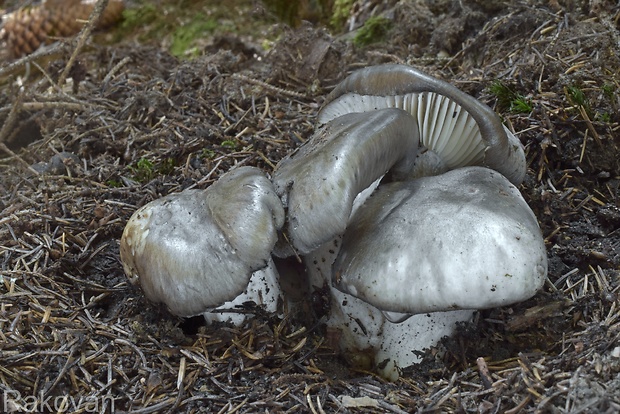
{"points": [[184, 38], [374, 30]]}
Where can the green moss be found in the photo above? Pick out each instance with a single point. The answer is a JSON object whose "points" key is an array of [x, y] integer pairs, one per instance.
{"points": [[577, 97], [183, 24], [229, 144], [292, 12], [138, 17], [341, 10], [143, 170], [285, 10], [374, 30], [142, 16], [603, 117], [166, 167], [114, 183], [509, 99], [609, 91], [521, 105], [154, 24], [184, 37], [207, 154], [503, 93]]}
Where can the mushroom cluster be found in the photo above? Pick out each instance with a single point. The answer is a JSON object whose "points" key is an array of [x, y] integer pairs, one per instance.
{"points": [[403, 203]]}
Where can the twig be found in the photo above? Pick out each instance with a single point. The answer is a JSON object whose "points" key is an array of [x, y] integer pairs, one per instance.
{"points": [[36, 106], [82, 37], [12, 117], [485, 375], [13, 67], [115, 69], [269, 87]]}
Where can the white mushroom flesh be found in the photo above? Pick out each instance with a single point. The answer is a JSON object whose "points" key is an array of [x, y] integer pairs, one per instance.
{"points": [[263, 289]]}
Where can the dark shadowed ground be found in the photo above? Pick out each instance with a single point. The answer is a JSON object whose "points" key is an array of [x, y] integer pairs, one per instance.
{"points": [[141, 123]]}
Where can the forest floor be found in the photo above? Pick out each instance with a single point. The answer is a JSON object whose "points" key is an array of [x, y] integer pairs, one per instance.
{"points": [[134, 123]]}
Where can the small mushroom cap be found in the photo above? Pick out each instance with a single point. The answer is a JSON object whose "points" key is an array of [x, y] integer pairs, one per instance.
{"points": [[461, 129], [197, 249], [319, 182], [465, 239]]}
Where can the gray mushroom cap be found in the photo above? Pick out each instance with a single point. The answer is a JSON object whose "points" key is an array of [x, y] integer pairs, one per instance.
{"points": [[197, 249], [461, 129], [465, 239], [319, 182]]}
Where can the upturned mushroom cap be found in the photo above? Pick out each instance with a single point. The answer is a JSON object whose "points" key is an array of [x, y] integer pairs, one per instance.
{"points": [[319, 182], [461, 129], [197, 249], [465, 239]]}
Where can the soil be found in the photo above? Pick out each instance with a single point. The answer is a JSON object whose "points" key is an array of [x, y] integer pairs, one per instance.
{"points": [[134, 123]]}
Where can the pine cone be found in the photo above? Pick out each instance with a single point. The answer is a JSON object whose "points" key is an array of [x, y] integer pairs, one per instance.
{"points": [[26, 29]]}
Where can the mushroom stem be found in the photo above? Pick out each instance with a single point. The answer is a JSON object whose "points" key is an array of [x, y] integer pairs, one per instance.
{"points": [[263, 290], [319, 182]]}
